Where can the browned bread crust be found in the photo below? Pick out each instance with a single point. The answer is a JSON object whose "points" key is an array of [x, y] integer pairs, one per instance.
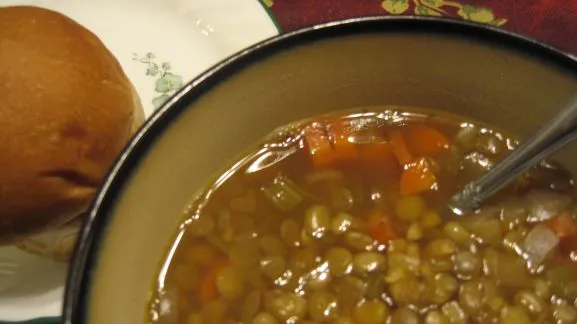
{"points": [[66, 111]]}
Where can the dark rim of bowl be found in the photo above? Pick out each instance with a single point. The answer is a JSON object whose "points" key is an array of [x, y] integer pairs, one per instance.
{"points": [[94, 228]]}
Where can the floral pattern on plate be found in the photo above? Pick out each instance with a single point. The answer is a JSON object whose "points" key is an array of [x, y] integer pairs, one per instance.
{"points": [[161, 45], [166, 81]]}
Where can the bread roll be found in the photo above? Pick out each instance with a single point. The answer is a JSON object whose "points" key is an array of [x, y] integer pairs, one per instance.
{"points": [[66, 111]]}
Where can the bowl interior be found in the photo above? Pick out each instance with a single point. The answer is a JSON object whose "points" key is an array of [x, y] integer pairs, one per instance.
{"points": [[376, 63]]}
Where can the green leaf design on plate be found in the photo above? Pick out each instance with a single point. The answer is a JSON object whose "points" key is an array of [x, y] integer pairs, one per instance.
{"points": [[166, 82], [152, 71], [162, 85], [158, 101], [395, 7], [174, 81]]}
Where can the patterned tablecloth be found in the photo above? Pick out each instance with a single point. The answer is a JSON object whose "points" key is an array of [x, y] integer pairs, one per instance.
{"points": [[551, 21]]}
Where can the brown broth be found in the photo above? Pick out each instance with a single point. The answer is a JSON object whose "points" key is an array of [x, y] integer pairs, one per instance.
{"points": [[280, 238]]}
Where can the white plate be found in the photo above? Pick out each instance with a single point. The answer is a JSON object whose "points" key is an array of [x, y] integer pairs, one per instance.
{"points": [[160, 44]]}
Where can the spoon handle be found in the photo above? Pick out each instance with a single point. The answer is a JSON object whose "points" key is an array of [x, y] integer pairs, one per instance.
{"points": [[556, 133]]}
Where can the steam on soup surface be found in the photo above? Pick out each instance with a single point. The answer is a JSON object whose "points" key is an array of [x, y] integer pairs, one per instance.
{"points": [[342, 219]]}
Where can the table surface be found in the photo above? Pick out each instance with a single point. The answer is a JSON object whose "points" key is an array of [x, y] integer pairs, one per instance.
{"points": [[551, 21]]}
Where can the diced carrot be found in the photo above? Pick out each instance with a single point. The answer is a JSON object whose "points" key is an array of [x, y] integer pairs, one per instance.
{"points": [[383, 233], [330, 143], [375, 152], [379, 159], [416, 178], [319, 145], [423, 140], [380, 228], [400, 148], [208, 290], [340, 132], [380, 153], [563, 225]]}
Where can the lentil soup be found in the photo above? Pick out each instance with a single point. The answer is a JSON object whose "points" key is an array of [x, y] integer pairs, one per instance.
{"points": [[342, 219]]}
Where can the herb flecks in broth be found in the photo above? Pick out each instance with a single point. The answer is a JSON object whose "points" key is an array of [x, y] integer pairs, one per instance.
{"points": [[342, 219]]}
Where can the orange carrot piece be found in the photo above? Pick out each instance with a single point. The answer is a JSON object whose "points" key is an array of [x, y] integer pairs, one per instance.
{"points": [[383, 233], [380, 228], [379, 158], [372, 152], [423, 140], [375, 152], [330, 143], [563, 225], [416, 178], [208, 290], [340, 132], [319, 145], [400, 148]]}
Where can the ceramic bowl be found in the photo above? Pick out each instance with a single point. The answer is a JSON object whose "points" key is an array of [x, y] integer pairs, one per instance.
{"points": [[477, 71]]}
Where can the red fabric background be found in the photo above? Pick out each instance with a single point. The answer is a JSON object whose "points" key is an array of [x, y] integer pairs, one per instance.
{"points": [[551, 21]]}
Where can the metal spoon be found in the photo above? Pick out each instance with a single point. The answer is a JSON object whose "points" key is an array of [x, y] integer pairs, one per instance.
{"points": [[556, 133]]}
